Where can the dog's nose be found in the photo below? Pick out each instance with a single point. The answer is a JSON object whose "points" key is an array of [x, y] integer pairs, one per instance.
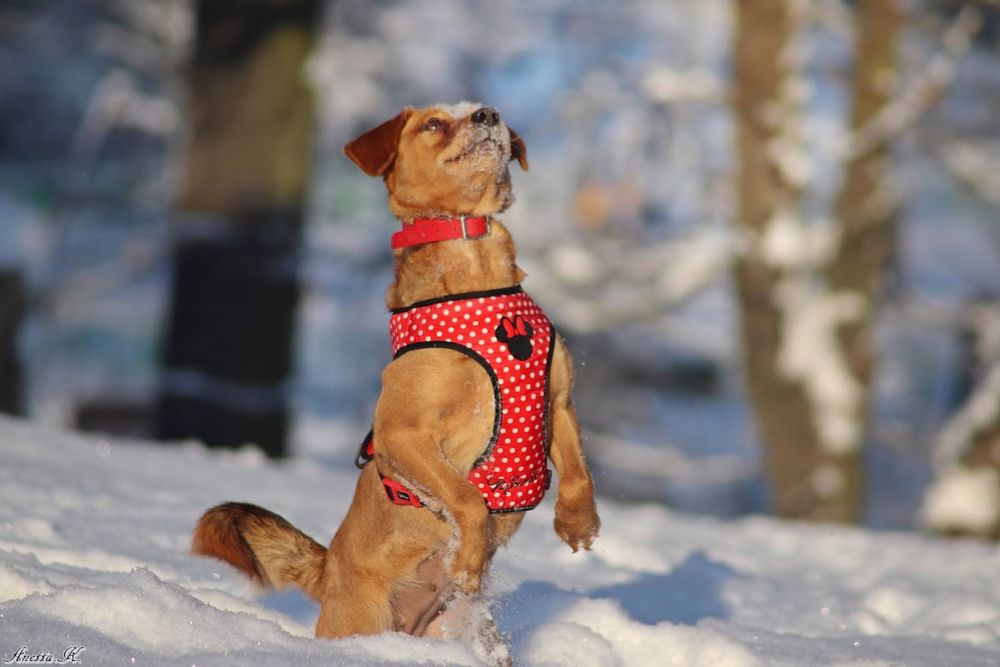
{"points": [[486, 116]]}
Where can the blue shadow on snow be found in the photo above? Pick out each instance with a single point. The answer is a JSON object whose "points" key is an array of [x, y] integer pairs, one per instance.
{"points": [[687, 594]]}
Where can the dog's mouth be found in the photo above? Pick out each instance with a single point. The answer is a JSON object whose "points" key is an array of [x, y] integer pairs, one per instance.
{"points": [[476, 148], [483, 144]]}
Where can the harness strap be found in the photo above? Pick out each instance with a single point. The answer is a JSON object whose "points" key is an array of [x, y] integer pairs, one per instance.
{"points": [[397, 493], [367, 451]]}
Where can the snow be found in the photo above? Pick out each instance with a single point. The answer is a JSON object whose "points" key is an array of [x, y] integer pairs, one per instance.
{"points": [[668, 86], [93, 553], [788, 244], [811, 354], [787, 148], [978, 168], [459, 110], [811, 315], [980, 411], [116, 102], [966, 499]]}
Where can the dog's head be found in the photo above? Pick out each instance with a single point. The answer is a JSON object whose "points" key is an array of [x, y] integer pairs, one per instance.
{"points": [[442, 160]]}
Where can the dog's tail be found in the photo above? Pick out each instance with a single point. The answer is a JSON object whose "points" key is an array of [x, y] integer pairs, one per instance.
{"points": [[262, 545]]}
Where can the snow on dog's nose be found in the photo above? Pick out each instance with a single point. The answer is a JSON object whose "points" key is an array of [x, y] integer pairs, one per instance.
{"points": [[486, 116]]}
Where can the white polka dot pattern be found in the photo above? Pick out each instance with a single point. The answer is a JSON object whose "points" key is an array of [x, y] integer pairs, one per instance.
{"points": [[513, 474]]}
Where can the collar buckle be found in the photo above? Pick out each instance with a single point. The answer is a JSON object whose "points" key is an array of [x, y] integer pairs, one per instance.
{"points": [[465, 229]]}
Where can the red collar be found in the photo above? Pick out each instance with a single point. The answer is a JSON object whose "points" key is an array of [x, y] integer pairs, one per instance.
{"points": [[429, 230]]}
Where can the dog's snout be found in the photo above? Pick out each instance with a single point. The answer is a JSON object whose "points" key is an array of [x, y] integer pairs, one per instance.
{"points": [[486, 116]]}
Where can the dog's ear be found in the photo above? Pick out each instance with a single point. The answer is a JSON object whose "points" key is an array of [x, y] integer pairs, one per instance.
{"points": [[518, 151], [375, 150]]}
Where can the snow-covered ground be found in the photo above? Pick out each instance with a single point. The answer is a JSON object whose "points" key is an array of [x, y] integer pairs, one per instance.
{"points": [[93, 553]]}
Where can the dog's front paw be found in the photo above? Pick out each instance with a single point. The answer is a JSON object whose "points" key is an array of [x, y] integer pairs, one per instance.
{"points": [[577, 524], [467, 571]]}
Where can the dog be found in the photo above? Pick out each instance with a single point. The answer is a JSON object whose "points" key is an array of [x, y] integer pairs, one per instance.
{"points": [[474, 404]]}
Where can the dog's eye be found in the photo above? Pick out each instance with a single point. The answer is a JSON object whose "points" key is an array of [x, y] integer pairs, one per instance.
{"points": [[433, 124]]}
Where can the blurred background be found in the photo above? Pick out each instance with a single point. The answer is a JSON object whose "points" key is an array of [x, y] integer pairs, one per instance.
{"points": [[769, 230]]}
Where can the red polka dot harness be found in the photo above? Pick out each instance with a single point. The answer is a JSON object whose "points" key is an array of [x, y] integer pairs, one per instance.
{"points": [[512, 339]]}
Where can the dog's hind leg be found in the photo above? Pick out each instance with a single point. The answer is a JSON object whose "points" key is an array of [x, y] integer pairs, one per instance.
{"points": [[355, 602], [373, 584], [418, 602], [414, 425], [361, 605], [436, 610]]}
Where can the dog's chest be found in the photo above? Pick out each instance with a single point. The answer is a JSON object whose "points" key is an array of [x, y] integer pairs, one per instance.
{"points": [[512, 339]]}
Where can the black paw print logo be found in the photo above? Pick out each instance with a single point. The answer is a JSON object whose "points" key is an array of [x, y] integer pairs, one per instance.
{"points": [[517, 335]]}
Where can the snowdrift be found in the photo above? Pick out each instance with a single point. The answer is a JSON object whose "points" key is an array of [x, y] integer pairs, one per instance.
{"points": [[93, 553]]}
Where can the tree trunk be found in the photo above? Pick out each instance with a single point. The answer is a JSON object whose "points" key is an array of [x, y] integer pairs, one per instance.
{"points": [[806, 341], [13, 306], [239, 214], [866, 207]]}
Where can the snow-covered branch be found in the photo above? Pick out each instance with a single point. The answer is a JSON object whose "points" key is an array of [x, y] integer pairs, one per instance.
{"points": [[589, 281], [907, 108], [966, 494], [980, 412], [666, 462], [975, 167], [117, 102]]}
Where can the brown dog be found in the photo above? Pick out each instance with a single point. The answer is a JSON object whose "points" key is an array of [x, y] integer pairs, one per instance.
{"points": [[403, 562]]}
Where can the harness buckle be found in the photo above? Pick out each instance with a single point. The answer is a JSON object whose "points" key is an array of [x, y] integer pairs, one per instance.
{"points": [[399, 494]]}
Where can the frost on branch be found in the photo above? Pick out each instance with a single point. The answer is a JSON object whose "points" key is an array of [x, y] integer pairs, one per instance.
{"points": [[965, 500]]}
